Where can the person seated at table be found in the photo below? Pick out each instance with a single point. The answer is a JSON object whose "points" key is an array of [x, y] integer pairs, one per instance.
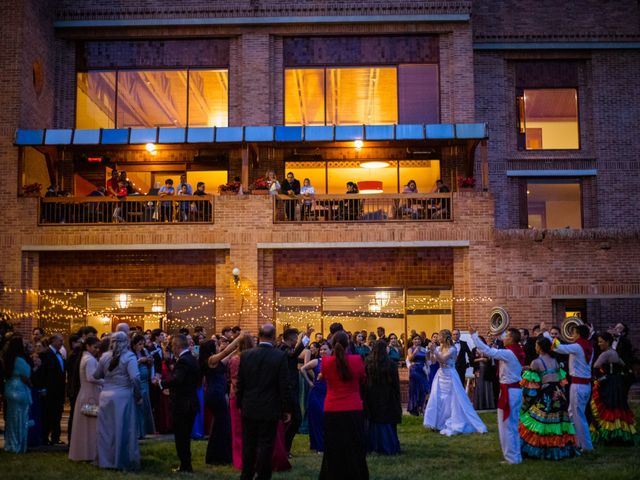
{"points": [[349, 209], [307, 191], [437, 207], [203, 207], [410, 207]]}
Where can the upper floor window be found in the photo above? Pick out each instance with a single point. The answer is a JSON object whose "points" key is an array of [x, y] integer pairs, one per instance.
{"points": [[553, 203], [152, 98], [548, 119], [371, 95]]}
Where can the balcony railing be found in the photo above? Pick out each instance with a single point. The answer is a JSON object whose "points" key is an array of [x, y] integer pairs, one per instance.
{"points": [[143, 209], [365, 208]]}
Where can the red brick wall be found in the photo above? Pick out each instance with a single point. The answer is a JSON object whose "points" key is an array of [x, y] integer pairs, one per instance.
{"points": [[363, 267], [128, 269]]}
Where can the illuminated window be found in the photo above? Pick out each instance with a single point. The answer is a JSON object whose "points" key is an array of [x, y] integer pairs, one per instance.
{"points": [[362, 95], [152, 98], [554, 204], [549, 119]]}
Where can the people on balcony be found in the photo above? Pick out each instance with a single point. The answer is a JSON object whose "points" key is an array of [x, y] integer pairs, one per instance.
{"points": [[166, 208], [291, 187], [307, 191], [439, 208], [272, 182], [349, 209]]}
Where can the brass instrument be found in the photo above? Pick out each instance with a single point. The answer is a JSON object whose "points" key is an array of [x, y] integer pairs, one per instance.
{"points": [[498, 321], [568, 330]]}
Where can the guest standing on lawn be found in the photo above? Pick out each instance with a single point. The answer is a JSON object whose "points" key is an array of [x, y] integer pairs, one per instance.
{"points": [[344, 436], [17, 394], [117, 434], [511, 361], [418, 378], [382, 401], [82, 447], [317, 394]]}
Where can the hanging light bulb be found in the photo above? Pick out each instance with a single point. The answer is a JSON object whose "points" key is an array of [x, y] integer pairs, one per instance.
{"points": [[123, 301]]}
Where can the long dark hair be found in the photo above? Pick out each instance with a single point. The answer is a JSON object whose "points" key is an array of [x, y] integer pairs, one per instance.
{"points": [[13, 349], [379, 364], [340, 344], [207, 349]]}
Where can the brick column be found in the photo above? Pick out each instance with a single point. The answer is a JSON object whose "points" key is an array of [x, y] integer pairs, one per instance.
{"points": [[256, 82]]}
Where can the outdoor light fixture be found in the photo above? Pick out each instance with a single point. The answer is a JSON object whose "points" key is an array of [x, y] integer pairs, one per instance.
{"points": [[236, 276], [370, 186], [374, 164], [105, 319], [358, 144], [373, 307], [157, 307], [123, 301], [151, 148]]}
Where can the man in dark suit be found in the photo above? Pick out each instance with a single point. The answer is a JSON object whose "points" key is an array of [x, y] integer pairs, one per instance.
{"points": [[528, 344], [73, 377], [464, 355], [264, 397], [183, 388], [292, 346], [51, 376]]}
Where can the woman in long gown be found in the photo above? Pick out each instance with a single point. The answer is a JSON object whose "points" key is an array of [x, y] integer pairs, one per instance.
{"points": [[82, 447], [449, 409], [317, 394], [145, 424], [117, 434], [17, 394], [34, 438], [433, 366], [613, 421], [418, 378], [483, 393], [279, 459], [546, 430], [382, 401]]}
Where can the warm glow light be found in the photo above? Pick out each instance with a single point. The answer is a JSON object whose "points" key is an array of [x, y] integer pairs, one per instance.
{"points": [[370, 186], [150, 147], [374, 164], [105, 320], [358, 144], [123, 300]]}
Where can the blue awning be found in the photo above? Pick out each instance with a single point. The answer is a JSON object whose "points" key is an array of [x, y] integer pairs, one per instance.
{"points": [[257, 134]]}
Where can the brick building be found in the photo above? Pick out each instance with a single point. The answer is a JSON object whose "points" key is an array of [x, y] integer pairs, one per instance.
{"points": [[532, 101]]}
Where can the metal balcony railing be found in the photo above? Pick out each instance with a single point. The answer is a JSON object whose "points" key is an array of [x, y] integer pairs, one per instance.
{"points": [[364, 208], [143, 209]]}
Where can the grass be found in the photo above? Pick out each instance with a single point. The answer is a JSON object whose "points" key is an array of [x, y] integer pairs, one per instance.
{"points": [[425, 454]]}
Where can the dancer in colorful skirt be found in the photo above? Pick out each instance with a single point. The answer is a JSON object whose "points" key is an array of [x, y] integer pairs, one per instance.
{"points": [[545, 428], [613, 422]]}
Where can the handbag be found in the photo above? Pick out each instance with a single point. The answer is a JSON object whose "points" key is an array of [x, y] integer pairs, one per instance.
{"points": [[90, 409]]}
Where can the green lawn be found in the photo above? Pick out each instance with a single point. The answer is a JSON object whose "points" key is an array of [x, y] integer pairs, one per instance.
{"points": [[426, 455]]}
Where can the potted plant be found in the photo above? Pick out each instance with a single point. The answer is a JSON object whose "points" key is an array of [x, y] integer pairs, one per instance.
{"points": [[260, 187], [466, 183], [32, 190], [231, 188]]}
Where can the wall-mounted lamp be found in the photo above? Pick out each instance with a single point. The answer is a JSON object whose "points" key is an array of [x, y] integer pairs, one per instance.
{"points": [[358, 144], [236, 276]]}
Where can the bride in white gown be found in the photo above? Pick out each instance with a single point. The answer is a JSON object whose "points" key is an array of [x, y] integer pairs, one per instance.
{"points": [[449, 409]]}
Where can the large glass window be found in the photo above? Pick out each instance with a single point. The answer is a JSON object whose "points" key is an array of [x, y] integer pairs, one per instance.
{"points": [[554, 204], [398, 310], [152, 98], [361, 95], [549, 119]]}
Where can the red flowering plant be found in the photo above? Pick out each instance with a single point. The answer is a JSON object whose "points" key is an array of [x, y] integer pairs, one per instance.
{"points": [[466, 182], [260, 184], [33, 189], [233, 187]]}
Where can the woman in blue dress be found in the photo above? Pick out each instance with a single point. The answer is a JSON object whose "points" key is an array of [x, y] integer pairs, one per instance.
{"points": [[17, 394], [434, 366], [144, 414], [315, 404], [37, 392], [418, 379]]}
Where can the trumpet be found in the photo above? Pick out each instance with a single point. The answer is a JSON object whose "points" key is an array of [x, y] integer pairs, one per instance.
{"points": [[568, 329], [498, 321]]}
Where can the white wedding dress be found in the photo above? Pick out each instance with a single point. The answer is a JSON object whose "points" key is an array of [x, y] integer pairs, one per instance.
{"points": [[449, 409]]}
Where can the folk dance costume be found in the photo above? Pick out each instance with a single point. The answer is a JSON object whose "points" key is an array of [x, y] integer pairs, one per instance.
{"points": [[580, 358], [546, 429], [613, 421], [511, 359]]}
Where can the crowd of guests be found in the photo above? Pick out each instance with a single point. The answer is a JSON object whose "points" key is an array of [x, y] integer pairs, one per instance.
{"points": [[252, 395]]}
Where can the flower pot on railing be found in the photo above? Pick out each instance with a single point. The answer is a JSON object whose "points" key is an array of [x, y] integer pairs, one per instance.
{"points": [[260, 192]]}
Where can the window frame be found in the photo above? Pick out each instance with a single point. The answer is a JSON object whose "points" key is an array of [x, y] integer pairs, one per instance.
{"points": [[117, 70], [324, 69], [524, 200], [521, 124]]}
